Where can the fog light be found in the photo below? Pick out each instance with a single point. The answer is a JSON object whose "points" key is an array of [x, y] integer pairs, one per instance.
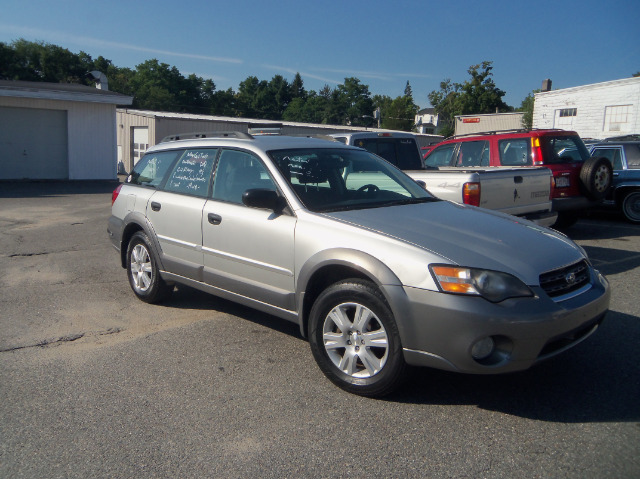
{"points": [[483, 348]]}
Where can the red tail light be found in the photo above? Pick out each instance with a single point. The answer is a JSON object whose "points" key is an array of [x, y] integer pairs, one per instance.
{"points": [[115, 194], [471, 194], [536, 151]]}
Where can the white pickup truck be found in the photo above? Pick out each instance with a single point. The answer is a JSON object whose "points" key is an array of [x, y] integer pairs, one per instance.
{"points": [[519, 191]]}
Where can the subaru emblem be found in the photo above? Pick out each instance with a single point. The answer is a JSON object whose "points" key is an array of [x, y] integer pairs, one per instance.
{"points": [[570, 279]]}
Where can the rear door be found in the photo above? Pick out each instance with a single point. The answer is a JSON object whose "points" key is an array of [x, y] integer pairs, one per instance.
{"points": [[176, 212]]}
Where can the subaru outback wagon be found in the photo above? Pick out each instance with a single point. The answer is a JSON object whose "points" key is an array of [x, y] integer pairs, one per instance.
{"points": [[377, 276]]}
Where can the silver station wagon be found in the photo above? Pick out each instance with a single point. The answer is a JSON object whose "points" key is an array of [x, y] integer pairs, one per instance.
{"points": [[378, 275]]}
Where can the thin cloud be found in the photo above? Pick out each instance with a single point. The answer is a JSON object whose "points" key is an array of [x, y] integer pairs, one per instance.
{"points": [[303, 74], [65, 37]]}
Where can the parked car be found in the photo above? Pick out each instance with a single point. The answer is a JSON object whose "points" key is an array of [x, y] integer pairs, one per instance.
{"points": [[523, 192], [624, 154], [377, 278], [579, 181]]}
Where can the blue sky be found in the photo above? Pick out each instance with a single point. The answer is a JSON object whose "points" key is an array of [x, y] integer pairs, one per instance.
{"points": [[383, 43]]}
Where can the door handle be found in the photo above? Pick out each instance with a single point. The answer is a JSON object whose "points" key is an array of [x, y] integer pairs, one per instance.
{"points": [[214, 219], [155, 206]]}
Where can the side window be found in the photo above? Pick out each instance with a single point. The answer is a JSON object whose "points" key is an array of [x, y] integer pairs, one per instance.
{"points": [[152, 168], [192, 173], [473, 153], [515, 152], [612, 154], [237, 172], [440, 156], [632, 153]]}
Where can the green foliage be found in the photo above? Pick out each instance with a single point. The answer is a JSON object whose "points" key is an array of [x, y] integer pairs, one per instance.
{"points": [[473, 97], [159, 86], [527, 108]]}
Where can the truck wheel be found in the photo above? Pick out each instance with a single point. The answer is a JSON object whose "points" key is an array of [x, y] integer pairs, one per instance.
{"points": [[596, 176], [631, 206], [143, 272], [355, 340]]}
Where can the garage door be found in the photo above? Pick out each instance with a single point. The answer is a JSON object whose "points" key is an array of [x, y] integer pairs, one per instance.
{"points": [[33, 144]]}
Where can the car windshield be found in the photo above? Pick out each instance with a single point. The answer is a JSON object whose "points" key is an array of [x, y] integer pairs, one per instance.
{"points": [[565, 149], [334, 179]]}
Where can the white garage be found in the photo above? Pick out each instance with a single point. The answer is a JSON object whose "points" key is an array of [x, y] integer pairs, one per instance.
{"points": [[51, 131]]}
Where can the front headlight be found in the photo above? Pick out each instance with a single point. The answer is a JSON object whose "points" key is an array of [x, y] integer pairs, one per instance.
{"points": [[494, 286]]}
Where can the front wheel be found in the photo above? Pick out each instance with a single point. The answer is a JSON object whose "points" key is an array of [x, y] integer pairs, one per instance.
{"points": [[355, 340], [143, 272], [631, 206]]}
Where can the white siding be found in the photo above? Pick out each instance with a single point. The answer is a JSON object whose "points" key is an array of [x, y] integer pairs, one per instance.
{"points": [[602, 109], [467, 124], [91, 135]]}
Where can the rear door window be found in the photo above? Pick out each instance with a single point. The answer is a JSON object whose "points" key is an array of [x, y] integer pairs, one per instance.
{"points": [[441, 156], [192, 173], [515, 152], [614, 155], [473, 153]]}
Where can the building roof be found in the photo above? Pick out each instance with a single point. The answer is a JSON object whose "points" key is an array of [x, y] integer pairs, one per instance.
{"points": [[61, 91], [427, 111], [606, 84]]}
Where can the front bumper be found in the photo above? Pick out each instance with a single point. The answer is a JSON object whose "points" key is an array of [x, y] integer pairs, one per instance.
{"points": [[439, 330]]}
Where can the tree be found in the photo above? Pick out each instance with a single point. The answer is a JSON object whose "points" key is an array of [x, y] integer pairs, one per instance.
{"points": [[475, 96], [527, 108]]}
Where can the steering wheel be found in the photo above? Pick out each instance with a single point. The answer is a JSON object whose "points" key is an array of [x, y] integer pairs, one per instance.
{"points": [[370, 189]]}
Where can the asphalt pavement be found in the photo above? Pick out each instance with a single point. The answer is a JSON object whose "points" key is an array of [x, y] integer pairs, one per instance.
{"points": [[95, 383]]}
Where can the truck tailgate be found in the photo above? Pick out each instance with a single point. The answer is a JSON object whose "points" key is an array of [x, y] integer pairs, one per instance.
{"points": [[516, 191]]}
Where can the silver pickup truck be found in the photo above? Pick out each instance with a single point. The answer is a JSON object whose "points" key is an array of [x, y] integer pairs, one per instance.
{"points": [[523, 192]]}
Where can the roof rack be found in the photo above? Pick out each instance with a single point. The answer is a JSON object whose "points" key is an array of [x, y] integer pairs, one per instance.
{"points": [[207, 134], [319, 136], [631, 137], [502, 132]]}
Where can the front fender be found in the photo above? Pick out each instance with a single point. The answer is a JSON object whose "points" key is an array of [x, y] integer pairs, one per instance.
{"points": [[369, 266]]}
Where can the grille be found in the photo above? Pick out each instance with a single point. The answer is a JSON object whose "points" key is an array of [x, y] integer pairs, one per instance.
{"points": [[565, 280]]}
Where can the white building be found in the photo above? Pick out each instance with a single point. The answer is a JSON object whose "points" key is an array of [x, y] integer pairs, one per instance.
{"points": [[427, 121], [600, 110], [57, 131]]}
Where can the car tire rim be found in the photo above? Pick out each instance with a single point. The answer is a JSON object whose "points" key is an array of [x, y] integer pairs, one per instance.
{"points": [[601, 180], [141, 268], [355, 340]]}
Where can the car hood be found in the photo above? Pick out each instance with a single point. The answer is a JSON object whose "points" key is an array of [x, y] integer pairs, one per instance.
{"points": [[471, 237]]}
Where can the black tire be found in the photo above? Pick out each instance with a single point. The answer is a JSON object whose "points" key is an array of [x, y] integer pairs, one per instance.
{"points": [[596, 176], [364, 356], [631, 206], [566, 219], [142, 271]]}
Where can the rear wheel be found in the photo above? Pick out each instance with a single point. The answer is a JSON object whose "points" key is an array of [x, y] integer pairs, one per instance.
{"points": [[355, 340], [596, 176], [566, 219], [143, 272], [631, 206]]}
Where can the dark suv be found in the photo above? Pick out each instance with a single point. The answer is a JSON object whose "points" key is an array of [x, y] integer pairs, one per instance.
{"points": [[579, 181]]}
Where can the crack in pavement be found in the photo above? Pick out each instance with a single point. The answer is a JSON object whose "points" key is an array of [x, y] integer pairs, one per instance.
{"points": [[61, 340]]}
